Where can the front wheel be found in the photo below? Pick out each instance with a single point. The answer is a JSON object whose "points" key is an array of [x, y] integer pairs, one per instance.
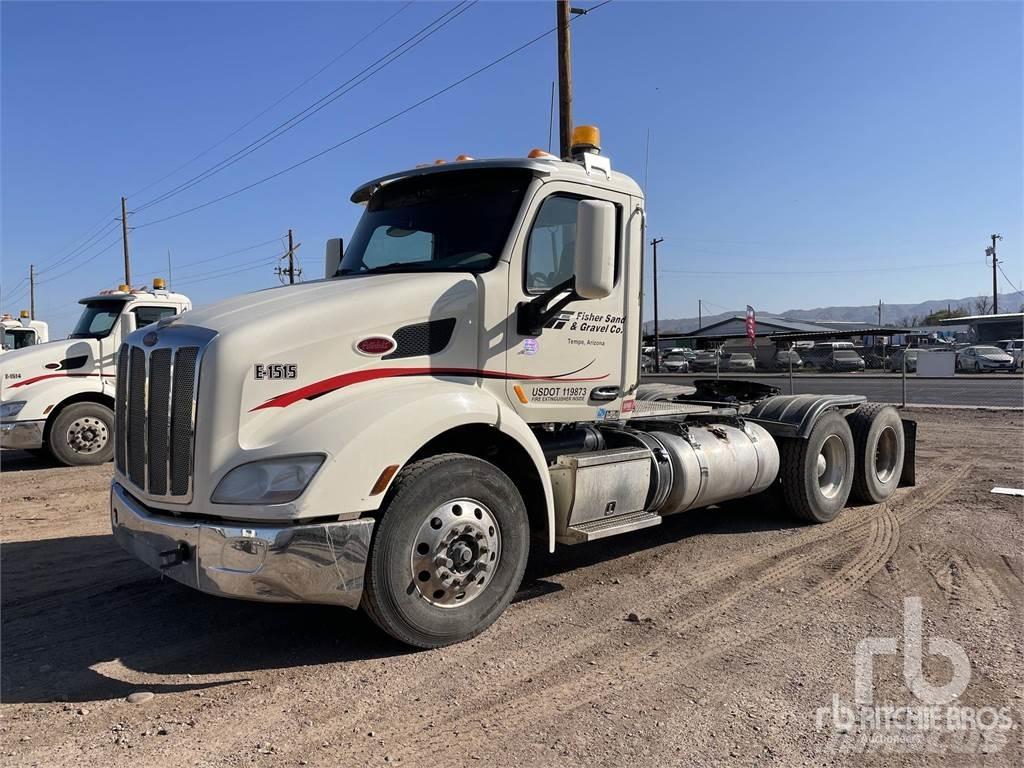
{"points": [[449, 551], [82, 434]]}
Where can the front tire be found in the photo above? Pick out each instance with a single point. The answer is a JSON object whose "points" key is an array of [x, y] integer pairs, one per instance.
{"points": [[82, 434], [449, 551], [817, 473], [880, 446]]}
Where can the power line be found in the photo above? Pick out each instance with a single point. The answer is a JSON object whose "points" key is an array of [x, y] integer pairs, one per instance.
{"points": [[225, 271], [1007, 279], [220, 256], [365, 131], [107, 247], [256, 117], [75, 244], [360, 77], [88, 243]]}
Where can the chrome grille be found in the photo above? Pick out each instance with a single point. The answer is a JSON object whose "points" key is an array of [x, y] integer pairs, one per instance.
{"points": [[154, 415]]}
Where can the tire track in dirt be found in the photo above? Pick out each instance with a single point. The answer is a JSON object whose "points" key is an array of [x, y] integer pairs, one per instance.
{"points": [[880, 534]]}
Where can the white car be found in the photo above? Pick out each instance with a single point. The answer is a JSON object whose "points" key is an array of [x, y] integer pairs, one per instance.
{"points": [[1014, 348], [984, 358], [675, 362]]}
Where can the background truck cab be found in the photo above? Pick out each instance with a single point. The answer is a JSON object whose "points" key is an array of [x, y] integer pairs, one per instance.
{"points": [[57, 398], [21, 333]]}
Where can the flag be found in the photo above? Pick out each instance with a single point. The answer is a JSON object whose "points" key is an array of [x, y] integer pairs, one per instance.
{"points": [[751, 324]]}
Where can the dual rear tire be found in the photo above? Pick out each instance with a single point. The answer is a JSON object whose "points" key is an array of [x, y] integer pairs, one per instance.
{"points": [[860, 455]]}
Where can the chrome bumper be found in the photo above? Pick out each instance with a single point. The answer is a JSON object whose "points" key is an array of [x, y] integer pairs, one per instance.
{"points": [[320, 563], [21, 434]]}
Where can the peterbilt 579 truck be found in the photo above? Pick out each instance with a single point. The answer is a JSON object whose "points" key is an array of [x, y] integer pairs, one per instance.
{"points": [[57, 399], [464, 381]]}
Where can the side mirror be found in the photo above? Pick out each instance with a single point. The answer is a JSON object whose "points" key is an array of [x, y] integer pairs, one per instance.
{"points": [[594, 258], [335, 248]]}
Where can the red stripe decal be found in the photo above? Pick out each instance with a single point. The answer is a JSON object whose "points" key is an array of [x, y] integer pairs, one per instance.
{"points": [[356, 377], [34, 379]]}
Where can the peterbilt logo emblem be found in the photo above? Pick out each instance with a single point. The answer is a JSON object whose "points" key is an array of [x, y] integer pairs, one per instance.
{"points": [[150, 339]]}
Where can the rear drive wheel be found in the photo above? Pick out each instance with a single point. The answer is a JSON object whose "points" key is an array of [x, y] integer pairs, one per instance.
{"points": [[879, 444], [817, 473], [449, 551], [82, 434]]}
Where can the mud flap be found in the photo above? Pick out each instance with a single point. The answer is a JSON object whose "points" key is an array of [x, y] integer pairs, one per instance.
{"points": [[909, 476]]}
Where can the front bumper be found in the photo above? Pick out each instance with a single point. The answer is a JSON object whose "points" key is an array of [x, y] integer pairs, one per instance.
{"points": [[319, 563], [23, 435]]}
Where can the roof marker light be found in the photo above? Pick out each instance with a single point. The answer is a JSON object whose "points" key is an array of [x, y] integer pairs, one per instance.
{"points": [[540, 154], [462, 158]]}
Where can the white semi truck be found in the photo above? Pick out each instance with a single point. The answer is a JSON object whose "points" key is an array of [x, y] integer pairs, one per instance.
{"points": [[23, 332], [57, 399], [464, 381]]}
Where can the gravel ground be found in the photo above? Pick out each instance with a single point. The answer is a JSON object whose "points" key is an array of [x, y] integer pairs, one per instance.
{"points": [[745, 625]]}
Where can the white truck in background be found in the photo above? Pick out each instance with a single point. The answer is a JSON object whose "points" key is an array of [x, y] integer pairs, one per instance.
{"points": [[465, 380], [57, 399], [23, 332]]}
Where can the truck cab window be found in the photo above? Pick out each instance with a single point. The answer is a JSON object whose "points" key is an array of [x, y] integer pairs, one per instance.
{"points": [[150, 315], [97, 319], [549, 255]]}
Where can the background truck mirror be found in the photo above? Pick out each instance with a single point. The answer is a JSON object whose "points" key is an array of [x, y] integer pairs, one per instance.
{"points": [[332, 258], [594, 258]]}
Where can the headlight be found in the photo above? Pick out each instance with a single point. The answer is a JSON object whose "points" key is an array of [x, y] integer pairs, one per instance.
{"points": [[270, 481], [11, 409]]}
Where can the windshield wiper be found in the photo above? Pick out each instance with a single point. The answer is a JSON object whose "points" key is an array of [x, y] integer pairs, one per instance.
{"points": [[396, 266]]}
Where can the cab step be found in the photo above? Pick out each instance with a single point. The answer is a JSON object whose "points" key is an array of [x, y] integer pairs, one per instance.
{"points": [[609, 526]]}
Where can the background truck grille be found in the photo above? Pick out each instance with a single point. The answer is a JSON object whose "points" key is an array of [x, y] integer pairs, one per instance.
{"points": [[154, 424]]}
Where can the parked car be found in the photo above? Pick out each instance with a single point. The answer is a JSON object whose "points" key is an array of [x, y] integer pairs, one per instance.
{"points": [[1014, 348], [896, 360], [980, 358], [842, 360], [706, 360], [675, 362], [737, 362], [785, 359]]}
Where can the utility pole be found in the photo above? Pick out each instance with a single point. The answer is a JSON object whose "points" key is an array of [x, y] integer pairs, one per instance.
{"points": [[124, 241], [564, 79], [291, 259], [700, 314], [290, 270], [879, 313], [995, 282], [32, 291], [657, 337]]}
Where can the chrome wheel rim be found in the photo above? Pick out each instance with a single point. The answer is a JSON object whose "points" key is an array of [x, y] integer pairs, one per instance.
{"points": [[831, 466], [456, 553], [87, 435], [886, 452]]}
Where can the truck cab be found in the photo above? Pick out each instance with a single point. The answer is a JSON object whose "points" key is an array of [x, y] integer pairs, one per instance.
{"points": [[57, 399], [23, 332], [463, 384]]}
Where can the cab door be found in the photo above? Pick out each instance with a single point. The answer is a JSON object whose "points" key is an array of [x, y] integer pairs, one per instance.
{"points": [[573, 370]]}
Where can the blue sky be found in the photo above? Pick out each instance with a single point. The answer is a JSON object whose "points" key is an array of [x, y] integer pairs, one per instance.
{"points": [[799, 151]]}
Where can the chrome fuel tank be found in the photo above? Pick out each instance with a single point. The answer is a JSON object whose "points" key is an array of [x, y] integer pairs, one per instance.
{"points": [[716, 463]]}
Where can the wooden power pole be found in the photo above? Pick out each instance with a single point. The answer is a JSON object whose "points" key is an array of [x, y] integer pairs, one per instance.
{"points": [[291, 259], [32, 291], [124, 241], [564, 80], [995, 279]]}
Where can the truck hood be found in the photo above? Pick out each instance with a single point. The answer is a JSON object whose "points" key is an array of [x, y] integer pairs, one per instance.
{"points": [[19, 368], [277, 347]]}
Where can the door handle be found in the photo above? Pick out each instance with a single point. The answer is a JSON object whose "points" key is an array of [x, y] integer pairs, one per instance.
{"points": [[604, 394]]}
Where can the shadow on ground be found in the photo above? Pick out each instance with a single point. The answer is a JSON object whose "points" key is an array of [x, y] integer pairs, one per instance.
{"points": [[83, 621]]}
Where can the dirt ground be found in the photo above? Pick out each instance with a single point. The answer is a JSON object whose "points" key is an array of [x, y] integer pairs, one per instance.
{"points": [[742, 654]]}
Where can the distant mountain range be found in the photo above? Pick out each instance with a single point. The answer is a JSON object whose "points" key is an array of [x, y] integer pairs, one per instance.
{"points": [[892, 314]]}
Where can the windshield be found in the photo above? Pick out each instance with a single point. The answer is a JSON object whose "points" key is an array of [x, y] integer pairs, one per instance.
{"points": [[741, 356], [16, 338], [989, 351], [457, 222], [845, 354], [97, 319]]}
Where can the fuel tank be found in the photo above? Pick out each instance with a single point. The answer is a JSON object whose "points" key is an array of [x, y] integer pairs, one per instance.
{"points": [[710, 464]]}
